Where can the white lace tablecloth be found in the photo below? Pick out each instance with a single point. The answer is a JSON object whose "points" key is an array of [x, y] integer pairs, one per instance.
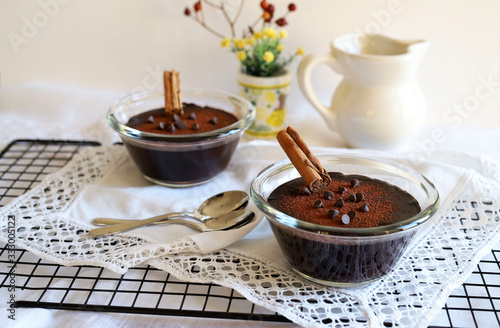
{"points": [[464, 229]]}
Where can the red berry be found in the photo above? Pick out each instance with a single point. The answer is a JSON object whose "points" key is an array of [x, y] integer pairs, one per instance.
{"points": [[197, 6], [187, 12], [267, 16], [292, 7], [270, 9], [281, 22], [264, 4]]}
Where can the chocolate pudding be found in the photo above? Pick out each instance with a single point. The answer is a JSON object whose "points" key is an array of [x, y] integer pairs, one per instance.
{"points": [[351, 201], [186, 161]]}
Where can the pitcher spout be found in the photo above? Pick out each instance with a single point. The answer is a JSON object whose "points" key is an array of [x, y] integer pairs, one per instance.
{"points": [[418, 47], [381, 45]]}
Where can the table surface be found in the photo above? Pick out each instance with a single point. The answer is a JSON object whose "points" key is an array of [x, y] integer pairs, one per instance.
{"points": [[59, 112]]}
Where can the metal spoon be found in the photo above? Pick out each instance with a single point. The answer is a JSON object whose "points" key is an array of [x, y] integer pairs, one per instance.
{"points": [[214, 206], [225, 221]]}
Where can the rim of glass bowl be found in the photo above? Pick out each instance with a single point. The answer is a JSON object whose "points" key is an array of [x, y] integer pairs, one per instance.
{"points": [[241, 125], [395, 168]]}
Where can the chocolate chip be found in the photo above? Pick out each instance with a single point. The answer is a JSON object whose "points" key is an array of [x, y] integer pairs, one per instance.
{"points": [[351, 214], [134, 120], [213, 120], [170, 127], [161, 126], [360, 197], [303, 190], [346, 219], [195, 126], [179, 123], [328, 194], [192, 116], [339, 202], [351, 198], [332, 213], [354, 183], [318, 204], [364, 208], [342, 189], [151, 119], [414, 203]]}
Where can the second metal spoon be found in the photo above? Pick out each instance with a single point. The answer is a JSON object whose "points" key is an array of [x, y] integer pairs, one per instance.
{"points": [[225, 221]]}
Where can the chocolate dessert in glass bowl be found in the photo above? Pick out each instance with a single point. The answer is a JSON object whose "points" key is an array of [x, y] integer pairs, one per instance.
{"points": [[356, 229], [181, 150]]}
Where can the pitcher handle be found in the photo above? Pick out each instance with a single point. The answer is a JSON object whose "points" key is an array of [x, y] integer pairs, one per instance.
{"points": [[304, 77]]}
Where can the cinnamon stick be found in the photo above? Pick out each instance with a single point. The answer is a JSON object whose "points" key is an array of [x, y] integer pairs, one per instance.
{"points": [[308, 165], [171, 85]]}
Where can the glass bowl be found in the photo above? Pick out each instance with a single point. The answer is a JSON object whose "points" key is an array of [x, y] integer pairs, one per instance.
{"points": [[181, 160], [338, 256]]}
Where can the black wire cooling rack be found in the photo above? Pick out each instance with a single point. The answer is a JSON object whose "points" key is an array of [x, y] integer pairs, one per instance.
{"points": [[147, 290], [144, 289]]}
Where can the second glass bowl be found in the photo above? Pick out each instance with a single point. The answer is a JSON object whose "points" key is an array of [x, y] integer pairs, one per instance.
{"points": [[339, 256]]}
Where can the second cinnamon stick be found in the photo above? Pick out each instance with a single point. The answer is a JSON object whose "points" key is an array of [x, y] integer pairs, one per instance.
{"points": [[308, 165]]}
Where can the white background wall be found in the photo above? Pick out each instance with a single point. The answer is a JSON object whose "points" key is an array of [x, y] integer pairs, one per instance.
{"points": [[125, 44]]}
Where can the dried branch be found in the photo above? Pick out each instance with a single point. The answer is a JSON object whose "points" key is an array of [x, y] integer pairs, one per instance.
{"points": [[231, 23], [211, 4], [211, 30], [208, 28], [266, 18], [240, 9]]}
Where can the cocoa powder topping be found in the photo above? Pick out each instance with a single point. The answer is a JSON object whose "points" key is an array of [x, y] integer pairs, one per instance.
{"points": [[382, 204]]}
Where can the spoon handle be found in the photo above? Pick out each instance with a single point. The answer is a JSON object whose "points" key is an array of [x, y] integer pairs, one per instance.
{"points": [[165, 217], [127, 225], [106, 221]]}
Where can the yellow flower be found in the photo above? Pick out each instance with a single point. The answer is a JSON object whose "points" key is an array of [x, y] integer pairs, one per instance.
{"points": [[238, 43], [270, 33], [241, 55], [283, 34], [225, 43], [258, 35], [300, 51], [280, 47], [268, 56], [251, 41]]}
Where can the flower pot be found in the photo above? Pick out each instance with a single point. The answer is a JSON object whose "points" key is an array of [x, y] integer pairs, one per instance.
{"points": [[269, 96]]}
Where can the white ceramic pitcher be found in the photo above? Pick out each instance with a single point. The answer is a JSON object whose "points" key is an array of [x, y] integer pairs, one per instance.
{"points": [[378, 104]]}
